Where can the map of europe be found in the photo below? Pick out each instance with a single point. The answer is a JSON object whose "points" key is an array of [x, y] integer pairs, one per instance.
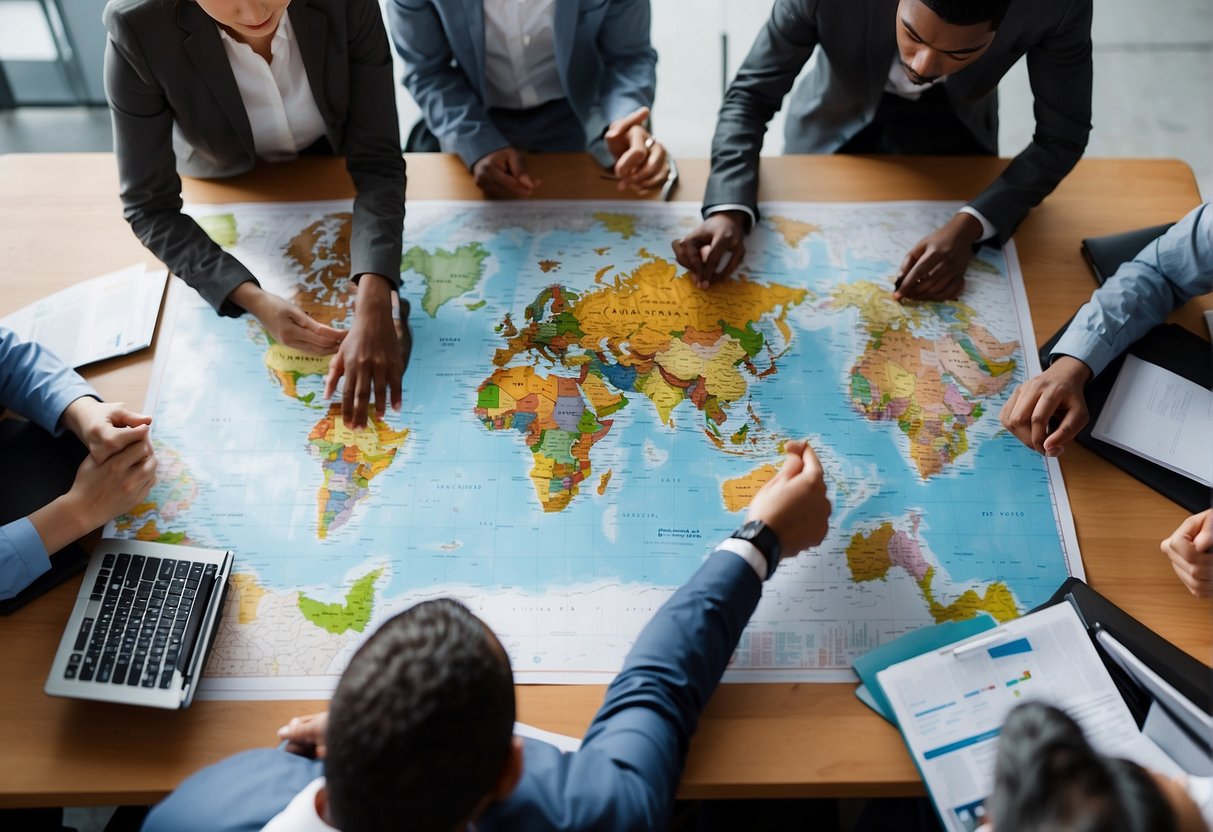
{"points": [[581, 425]]}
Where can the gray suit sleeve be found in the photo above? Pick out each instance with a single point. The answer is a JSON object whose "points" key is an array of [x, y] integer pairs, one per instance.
{"points": [[451, 108], [1060, 72], [372, 148], [148, 183], [780, 51], [630, 78]]}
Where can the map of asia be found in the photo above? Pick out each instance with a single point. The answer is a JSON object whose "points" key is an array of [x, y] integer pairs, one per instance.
{"points": [[581, 425]]}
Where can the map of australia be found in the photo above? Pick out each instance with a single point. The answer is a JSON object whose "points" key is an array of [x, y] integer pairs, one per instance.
{"points": [[581, 425]]}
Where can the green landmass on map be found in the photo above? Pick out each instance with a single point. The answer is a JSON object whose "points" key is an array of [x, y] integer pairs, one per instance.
{"points": [[353, 615], [220, 227], [447, 274]]}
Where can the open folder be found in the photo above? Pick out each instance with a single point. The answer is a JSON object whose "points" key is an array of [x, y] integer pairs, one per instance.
{"points": [[1134, 694]]}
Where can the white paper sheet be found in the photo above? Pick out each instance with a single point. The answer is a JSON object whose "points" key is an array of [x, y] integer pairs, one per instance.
{"points": [[951, 707], [1162, 417], [104, 317]]}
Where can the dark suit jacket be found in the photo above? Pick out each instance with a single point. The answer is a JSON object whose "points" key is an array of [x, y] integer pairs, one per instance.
{"points": [[603, 55], [856, 42], [176, 109], [625, 775]]}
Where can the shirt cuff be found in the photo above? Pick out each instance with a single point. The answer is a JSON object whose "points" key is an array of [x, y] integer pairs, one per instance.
{"points": [[1087, 347], [30, 551], [748, 552], [731, 206], [987, 228]]}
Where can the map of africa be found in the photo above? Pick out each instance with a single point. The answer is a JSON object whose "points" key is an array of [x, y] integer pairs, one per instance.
{"points": [[581, 425]]}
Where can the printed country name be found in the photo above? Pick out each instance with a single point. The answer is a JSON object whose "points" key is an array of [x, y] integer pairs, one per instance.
{"points": [[459, 486], [649, 311], [690, 534]]}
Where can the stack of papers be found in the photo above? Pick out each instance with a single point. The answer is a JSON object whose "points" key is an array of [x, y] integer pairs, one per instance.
{"points": [[111, 315], [1162, 417]]}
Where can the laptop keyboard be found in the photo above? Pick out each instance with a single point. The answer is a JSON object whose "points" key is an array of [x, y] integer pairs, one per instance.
{"points": [[143, 619]]}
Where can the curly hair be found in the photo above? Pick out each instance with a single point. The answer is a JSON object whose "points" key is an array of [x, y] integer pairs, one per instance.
{"points": [[1048, 778], [969, 12], [420, 726]]}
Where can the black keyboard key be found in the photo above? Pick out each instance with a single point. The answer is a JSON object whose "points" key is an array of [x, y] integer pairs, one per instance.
{"points": [[82, 637], [166, 569], [136, 566], [124, 560], [166, 679], [190, 637], [109, 561], [120, 673], [182, 570], [151, 567], [70, 671]]}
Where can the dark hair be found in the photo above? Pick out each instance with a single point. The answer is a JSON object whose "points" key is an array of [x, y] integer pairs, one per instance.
{"points": [[420, 726], [969, 12], [1048, 778]]}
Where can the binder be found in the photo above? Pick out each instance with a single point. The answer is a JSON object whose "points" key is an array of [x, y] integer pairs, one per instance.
{"points": [[1184, 353], [1105, 254], [1165, 692]]}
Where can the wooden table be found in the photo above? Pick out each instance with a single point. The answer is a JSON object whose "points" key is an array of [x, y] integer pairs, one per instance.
{"points": [[60, 221]]}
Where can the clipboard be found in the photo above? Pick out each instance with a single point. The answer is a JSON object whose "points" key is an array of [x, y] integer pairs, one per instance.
{"points": [[1178, 350]]}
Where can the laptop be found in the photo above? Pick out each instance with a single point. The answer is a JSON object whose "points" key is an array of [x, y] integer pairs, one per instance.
{"points": [[143, 624]]}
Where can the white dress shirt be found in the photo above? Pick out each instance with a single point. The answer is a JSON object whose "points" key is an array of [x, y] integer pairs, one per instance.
{"points": [[300, 814], [520, 54], [281, 109]]}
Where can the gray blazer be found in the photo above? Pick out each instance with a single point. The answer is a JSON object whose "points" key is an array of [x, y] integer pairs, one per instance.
{"points": [[855, 42], [176, 109]]}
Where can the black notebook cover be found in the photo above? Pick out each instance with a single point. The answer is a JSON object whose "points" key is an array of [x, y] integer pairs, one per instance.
{"points": [[1105, 254], [1183, 353]]}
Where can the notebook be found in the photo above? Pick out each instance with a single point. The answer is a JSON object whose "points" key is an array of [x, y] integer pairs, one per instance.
{"points": [[143, 624]]}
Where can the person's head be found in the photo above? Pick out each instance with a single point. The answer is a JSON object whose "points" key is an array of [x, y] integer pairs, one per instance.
{"points": [[939, 37], [1048, 778], [246, 20], [420, 731]]}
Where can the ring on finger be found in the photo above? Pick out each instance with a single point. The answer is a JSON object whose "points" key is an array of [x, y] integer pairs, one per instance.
{"points": [[649, 142]]}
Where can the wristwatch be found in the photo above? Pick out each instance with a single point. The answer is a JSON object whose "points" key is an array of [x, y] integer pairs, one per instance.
{"points": [[764, 539]]}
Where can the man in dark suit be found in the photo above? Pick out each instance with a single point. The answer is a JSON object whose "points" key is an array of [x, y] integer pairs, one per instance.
{"points": [[420, 733], [907, 77]]}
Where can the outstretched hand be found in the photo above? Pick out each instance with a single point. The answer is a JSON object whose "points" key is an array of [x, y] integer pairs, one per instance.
{"points": [[794, 502], [371, 358], [1039, 402], [641, 162], [715, 249], [305, 735], [502, 174], [934, 269]]}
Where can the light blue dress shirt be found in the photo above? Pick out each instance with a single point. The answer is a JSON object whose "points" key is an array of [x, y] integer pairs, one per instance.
{"points": [[1164, 276], [36, 384]]}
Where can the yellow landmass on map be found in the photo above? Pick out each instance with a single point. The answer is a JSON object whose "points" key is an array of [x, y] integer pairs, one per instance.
{"points": [[604, 481], [622, 224], [997, 601], [288, 365], [793, 231], [248, 594], [868, 555], [739, 492], [717, 365]]}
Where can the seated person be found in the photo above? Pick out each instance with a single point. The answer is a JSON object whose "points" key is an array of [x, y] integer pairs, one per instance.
{"points": [[1048, 777], [115, 476], [1048, 411], [503, 77], [419, 734], [211, 88], [916, 77]]}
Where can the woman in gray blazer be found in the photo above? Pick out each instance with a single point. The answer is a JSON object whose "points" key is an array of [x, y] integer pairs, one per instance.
{"points": [[210, 88]]}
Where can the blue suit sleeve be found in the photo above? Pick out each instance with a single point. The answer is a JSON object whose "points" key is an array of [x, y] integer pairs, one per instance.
{"points": [[23, 557], [1165, 275], [239, 794], [630, 62], [450, 106], [626, 773], [35, 383]]}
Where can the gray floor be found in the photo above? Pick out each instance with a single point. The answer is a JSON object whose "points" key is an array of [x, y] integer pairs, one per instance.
{"points": [[1153, 69]]}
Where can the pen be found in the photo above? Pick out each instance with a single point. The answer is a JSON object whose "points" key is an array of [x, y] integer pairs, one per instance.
{"points": [[968, 647]]}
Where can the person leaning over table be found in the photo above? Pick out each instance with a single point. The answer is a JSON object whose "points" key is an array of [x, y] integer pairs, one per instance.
{"points": [[1048, 777], [1048, 411], [907, 77], [116, 474], [420, 731], [211, 88], [497, 79]]}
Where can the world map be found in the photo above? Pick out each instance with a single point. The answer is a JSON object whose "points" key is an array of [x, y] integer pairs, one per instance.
{"points": [[581, 425]]}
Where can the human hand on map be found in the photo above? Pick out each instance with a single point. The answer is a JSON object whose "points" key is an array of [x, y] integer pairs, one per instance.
{"points": [[715, 249], [1190, 549], [794, 502], [104, 427], [285, 322], [305, 735], [370, 358], [1057, 393], [934, 269], [502, 174], [100, 492], [641, 161]]}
